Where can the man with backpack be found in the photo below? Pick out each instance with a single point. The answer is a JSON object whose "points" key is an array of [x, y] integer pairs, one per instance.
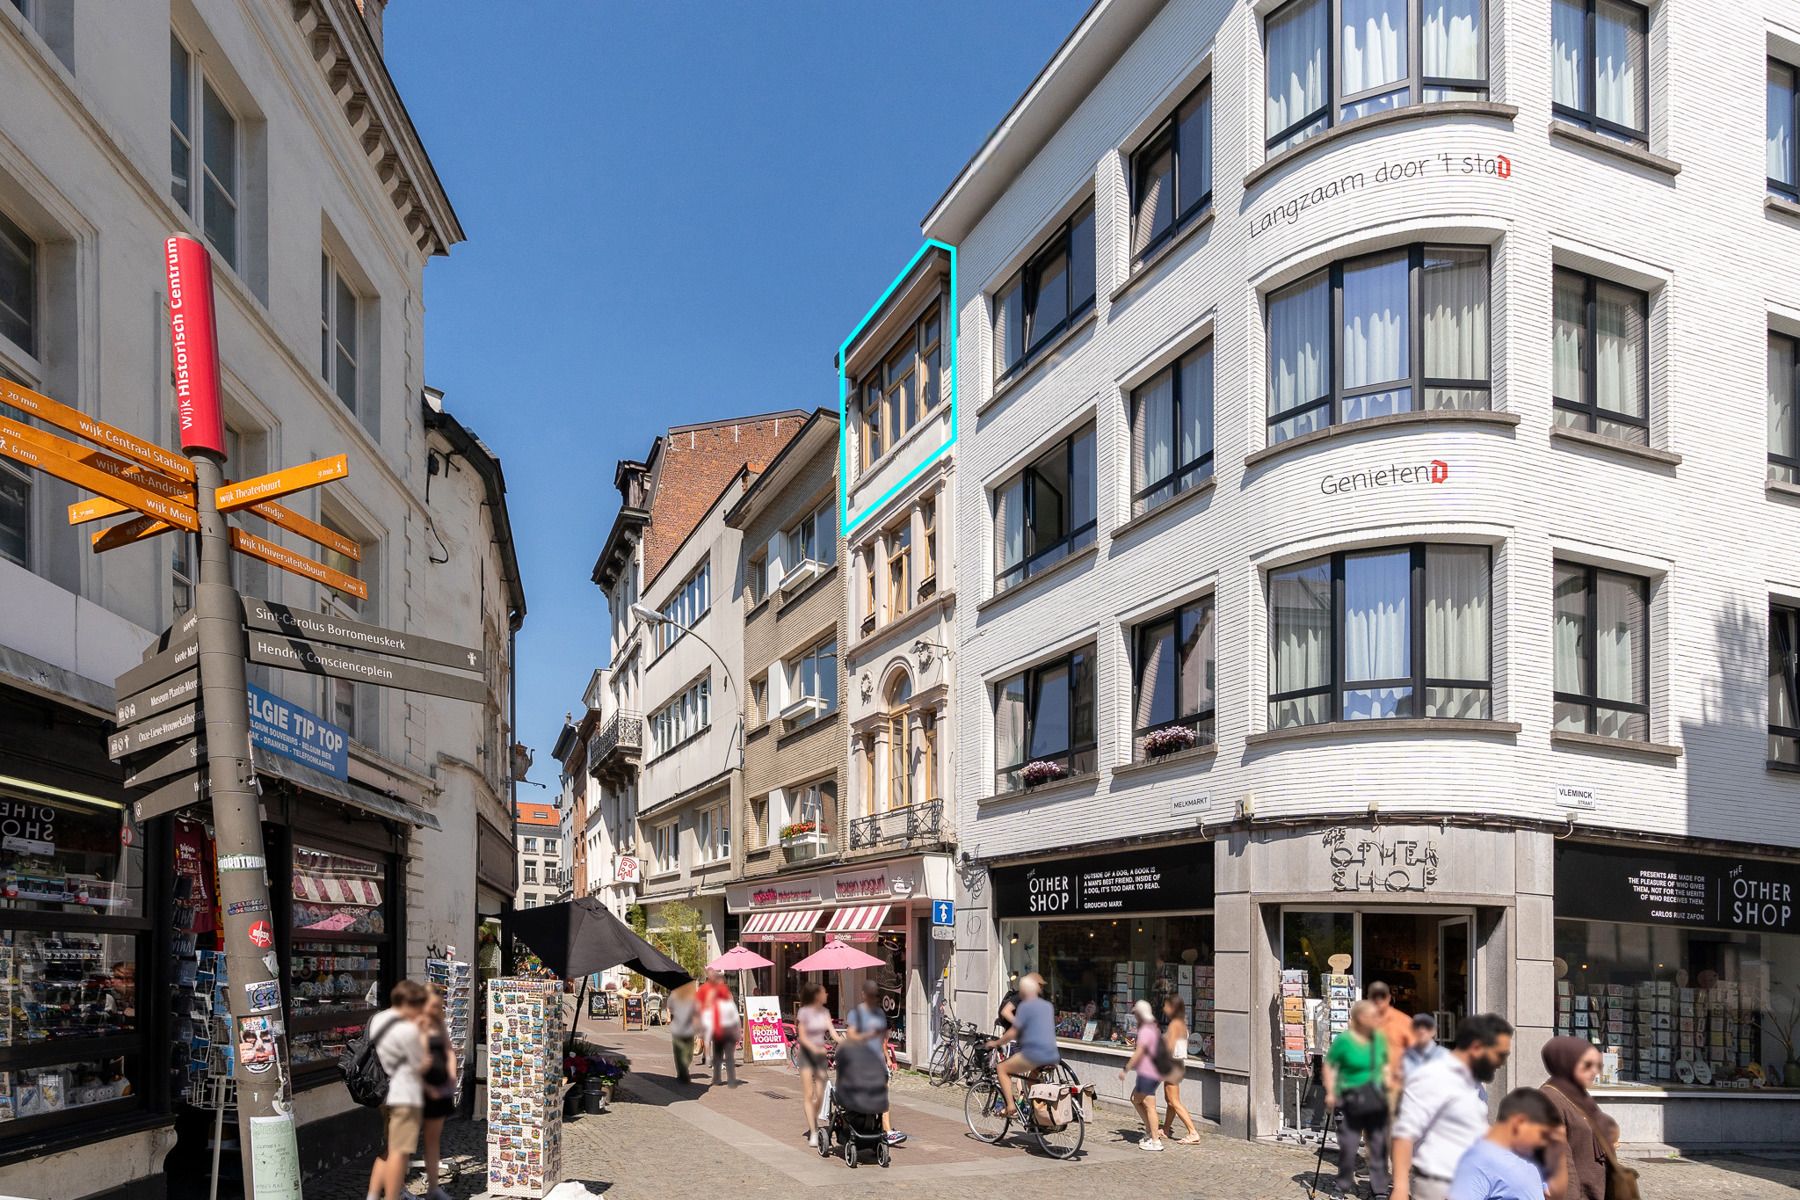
{"points": [[399, 1049]]}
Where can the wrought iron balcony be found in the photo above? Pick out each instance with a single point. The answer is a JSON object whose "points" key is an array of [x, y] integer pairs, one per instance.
{"points": [[914, 825], [617, 745]]}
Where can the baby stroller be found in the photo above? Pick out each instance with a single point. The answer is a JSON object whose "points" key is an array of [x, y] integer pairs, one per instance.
{"points": [[855, 1102]]}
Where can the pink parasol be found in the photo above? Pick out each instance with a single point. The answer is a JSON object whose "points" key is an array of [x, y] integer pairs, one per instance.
{"points": [[838, 955], [738, 959]]}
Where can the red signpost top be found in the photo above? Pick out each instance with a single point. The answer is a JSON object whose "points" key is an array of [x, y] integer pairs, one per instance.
{"points": [[193, 333]]}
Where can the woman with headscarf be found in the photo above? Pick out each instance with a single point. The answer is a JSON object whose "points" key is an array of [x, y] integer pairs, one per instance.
{"points": [[1573, 1063]]}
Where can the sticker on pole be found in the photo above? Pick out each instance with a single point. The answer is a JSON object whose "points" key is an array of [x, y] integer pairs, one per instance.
{"points": [[261, 935]]}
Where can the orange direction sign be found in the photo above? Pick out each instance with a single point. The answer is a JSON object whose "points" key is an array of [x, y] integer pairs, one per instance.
{"points": [[30, 451], [285, 482], [100, 460], [275, 514], [299, 564], [129, 533], [99, 432]]}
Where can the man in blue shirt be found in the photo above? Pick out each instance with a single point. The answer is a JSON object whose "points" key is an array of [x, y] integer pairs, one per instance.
{"points": [[1505, 1165], [1033, 1033]]}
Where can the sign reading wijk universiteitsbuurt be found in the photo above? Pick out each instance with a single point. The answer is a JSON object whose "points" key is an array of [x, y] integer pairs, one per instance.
{"points": [[1643, 885], [1154, 879]]}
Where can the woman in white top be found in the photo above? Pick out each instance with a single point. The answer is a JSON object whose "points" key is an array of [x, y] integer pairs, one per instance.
{"points": [[1175, 1013], [814, 1030]]}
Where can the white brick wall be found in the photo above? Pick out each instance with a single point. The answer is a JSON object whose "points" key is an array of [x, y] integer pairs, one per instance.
{"points": [[1719, 543]]}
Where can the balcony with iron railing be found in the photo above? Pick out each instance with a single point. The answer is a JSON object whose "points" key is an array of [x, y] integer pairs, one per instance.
{"points": [[617, 746], [915, 826]]}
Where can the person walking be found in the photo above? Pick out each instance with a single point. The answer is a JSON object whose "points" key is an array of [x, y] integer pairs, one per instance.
{"points": [[1175, 1038], [813, 1035], [438, 1086], [1425, 1046], [1396, 1029], [1444, 1108], [1355, 1071], [1591, 1138], [684, 1028], [394, 1032], [1507, 1164], [1143, 1060], [867, 1023], [719, 1011]]}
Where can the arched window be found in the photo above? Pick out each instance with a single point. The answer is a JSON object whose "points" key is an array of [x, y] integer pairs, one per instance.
{"points": [[899, 714]]}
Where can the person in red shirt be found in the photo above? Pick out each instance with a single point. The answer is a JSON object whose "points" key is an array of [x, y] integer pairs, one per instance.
{"points": [[719, 1017]]}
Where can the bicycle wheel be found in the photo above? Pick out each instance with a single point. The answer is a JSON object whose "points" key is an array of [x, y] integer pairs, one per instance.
{"points": [[1064, 1142], [943, 1064], [984, 1108]]}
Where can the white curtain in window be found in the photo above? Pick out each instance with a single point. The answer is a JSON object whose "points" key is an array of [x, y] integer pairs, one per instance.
{"points": [[1784, 696], [1153, 454], [1570, 315], [1782, 405], [1299, 353], [1376, 334], [1453, 294], [1568, 66], [1377, 623], [1299, 638], [1450, 39], [1009, 722], [1197, 404], [1374, 44], [1458, 627], [1009, 526], [1155, 200], [1198, 656], [1156, 675], [1619, 350], [1621, 55], [1780, 137], [1296, 40]]}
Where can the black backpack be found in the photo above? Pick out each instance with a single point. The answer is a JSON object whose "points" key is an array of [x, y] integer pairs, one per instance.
{"points": [[364, 1075]]}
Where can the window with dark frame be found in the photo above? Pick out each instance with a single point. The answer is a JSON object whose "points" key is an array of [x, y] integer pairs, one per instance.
{"points": [[1782, 146], [1392, 632], [1046, 512], [1383, 54], [203, 152], [1172, 430], [905, 388], [1171, 174], [337, 332], [18, 285], [1052, 291], [1400, 330], [1601, 357], [1045, 715], [1784, 409], [1600, 69], [1175, 663], [1602, 682], [1784, 685]]}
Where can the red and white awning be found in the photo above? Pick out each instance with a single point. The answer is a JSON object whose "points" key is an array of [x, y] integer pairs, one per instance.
{"points": [[766, 924], [858, 918]]}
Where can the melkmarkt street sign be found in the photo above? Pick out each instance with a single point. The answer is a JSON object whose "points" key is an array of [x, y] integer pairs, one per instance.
{"points": [[318, 627], [166, 727], [158, 667], [179, 793], [184, 757], [316, 659]]}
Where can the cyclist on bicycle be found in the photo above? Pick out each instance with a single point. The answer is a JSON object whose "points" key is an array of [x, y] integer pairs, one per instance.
{"points": [[1033, 1034]]}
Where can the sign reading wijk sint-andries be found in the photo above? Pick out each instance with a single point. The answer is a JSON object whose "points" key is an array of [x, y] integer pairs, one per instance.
{"points": [[1654, 886]]}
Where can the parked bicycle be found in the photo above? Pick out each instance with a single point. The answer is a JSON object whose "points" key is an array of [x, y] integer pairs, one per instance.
{"points": [[1053, 1108], [959, 1054]]}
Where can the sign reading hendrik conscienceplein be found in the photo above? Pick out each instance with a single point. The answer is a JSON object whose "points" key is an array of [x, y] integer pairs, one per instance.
{"points": [[1153, 879], [1648, 885]]}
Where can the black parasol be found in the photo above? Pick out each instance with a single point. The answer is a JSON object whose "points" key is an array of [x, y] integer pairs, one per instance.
{"points": [[579, 937]]}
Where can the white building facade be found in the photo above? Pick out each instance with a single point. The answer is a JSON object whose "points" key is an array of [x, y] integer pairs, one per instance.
{"points": [[1377, 533]]}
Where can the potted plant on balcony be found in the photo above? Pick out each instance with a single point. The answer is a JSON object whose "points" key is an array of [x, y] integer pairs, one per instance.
{"points": [[1041, 771], [1169, 741], [802, 839]]}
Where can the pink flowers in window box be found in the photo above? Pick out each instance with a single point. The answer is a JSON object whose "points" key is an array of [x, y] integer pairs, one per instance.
{"points": [[1034, 773], [1168, 741]]}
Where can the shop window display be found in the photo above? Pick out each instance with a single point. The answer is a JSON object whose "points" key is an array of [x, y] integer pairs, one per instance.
{"points": [[339, 945], [65, 857], [1674, 1007], [1096, 970]]}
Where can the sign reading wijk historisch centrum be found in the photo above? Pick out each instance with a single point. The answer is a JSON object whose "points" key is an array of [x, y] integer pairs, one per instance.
{"points": [[1649, 886]]}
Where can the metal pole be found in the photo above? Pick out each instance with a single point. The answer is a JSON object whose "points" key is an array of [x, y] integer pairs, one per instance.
{"points": [[254, 992]]}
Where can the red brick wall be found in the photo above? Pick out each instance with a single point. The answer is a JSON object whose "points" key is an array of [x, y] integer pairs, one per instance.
{"points": [[694, 467]]}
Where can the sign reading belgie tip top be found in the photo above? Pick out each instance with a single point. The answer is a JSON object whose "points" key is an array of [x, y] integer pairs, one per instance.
{"points": [[297, 735]]}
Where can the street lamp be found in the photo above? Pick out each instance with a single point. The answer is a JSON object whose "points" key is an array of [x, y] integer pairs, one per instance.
{"points": [[650, 616]]}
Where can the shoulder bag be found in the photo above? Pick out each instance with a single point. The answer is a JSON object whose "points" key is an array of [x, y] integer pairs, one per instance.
{"points": [[1367, 1105], [1621, 1180]]}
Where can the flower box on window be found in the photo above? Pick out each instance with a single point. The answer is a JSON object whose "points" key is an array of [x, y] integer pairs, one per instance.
{"points": [[803, 840], [1035, 773], [1169, 741]]}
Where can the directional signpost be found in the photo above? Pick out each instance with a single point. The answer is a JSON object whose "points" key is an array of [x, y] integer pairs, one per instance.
{"points": [[186, 717]]}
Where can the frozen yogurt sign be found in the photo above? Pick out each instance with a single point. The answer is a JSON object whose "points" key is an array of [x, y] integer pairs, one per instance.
{"points": [[1485, 167]]}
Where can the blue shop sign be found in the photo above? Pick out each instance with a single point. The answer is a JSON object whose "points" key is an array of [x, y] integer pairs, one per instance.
{"points": [[290, 731]]}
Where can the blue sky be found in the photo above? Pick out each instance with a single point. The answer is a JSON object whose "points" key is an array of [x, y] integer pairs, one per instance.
{"points": [[675, 212]]}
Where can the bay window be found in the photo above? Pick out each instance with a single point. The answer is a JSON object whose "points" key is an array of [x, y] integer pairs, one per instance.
{"points": [[1053, 290], [1044, 722], [1784, 685], [1600, 71], [1171, 174], [1602, 652], [1391, 353], [1601, 363], [1784, 409], [1399, 631], [1781, 148], [1382, 54], [1175, 662], [1046, 512], [905, 388], [1172, 430]]}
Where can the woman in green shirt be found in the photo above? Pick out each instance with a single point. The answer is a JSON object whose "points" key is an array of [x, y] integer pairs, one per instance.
{"points": [[1357, 1063]]}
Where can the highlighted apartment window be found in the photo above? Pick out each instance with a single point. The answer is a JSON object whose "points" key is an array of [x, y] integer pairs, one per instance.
{"points": [[899, 391]]}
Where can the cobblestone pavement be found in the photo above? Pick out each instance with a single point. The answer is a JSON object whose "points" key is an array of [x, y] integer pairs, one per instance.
{"points": [[664, 1139]]}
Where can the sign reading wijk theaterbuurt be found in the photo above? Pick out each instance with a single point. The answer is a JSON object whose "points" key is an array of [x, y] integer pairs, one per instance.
{"points": [[1650, 885], [1154, 879]]}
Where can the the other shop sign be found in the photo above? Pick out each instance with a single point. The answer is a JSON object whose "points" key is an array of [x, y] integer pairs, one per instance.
{"points": [[1647, 885], [1157, 879]]}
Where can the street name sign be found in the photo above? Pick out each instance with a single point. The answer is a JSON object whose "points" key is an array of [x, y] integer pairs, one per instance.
{"points": [[271, 617], [158, 667], [185, 757], [315, 659], [165, 727], [178, 793], [98, 432], [280, 556], [171, 693], [284, 482]]}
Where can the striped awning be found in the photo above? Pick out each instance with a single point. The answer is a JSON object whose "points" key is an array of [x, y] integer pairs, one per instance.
{"points": [[858, 918], [764, 924]]}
